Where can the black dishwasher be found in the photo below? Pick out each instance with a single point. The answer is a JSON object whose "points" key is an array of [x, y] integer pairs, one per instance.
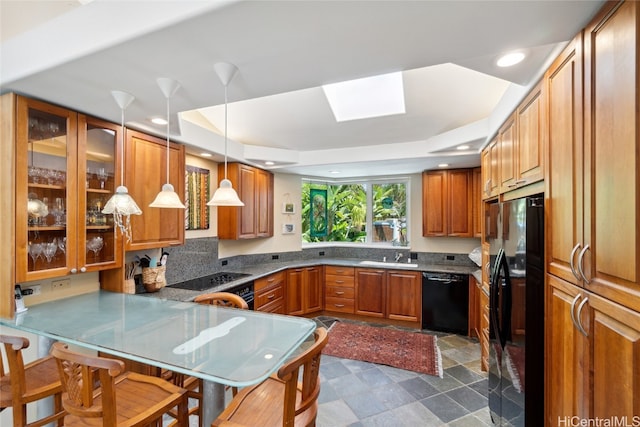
{"points": [[445, 302]]}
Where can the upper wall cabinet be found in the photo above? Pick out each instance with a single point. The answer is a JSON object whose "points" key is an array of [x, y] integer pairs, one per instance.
{"points": [[255, 189], [65, 171], [529, 153], [145, 173], [515, 158], [447, 203], [491, 170]]}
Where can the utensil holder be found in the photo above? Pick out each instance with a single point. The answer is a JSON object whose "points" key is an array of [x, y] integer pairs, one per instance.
{"points": [[129, 286], [153, 278]]}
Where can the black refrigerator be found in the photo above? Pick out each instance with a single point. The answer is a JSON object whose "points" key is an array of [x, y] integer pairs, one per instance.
{"points": [[515, 231]]}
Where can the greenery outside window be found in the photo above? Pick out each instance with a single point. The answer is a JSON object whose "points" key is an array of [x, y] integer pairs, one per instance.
{"points": [[358, 212]]}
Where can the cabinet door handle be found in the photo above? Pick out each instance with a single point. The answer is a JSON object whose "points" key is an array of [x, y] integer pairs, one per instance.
{"points": [[271, 279], [270, 296], [571, 258], [573, 310], [339, 305], [581, 264], [339, 281], [339, 293], [579, 317]]}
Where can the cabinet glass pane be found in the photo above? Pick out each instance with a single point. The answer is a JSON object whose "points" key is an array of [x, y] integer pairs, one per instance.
{"points": [[99, 184], [47, 191]]}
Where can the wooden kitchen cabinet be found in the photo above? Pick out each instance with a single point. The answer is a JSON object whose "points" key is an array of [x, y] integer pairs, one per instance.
{"points": [[339, 289], [255, 189], [145, 173], [389, 294], [490, 164], [304, 290], [529, 152], [447, 203], [65, 171], [370, 292], [592, 349], [592, 237], [563, 84], [507, 143], [404, 295], [269, 293], [593, 188]]}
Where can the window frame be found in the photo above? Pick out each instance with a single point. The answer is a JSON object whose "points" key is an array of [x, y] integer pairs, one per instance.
{"points": [[368, 184]]}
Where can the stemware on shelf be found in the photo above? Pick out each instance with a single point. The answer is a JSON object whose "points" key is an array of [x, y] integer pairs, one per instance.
{"points": [[95, 244], [102, 177], [49, 250], [35, 250]]}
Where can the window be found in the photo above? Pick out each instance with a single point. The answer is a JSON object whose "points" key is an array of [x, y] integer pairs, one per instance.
{"points": [[359, 212]]}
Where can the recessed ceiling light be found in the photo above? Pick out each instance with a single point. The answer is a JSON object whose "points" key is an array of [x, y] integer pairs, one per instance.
{"points": [[510, 59], [334, 172], [206, 154], [463, 147], [159, 121], [269, 163], [365, 98], [443, 165]]}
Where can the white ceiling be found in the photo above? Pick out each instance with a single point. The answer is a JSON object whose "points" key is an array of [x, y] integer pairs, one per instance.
{"points": [[75, 55]]}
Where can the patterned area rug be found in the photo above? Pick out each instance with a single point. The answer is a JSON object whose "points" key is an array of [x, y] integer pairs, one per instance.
{"points": [[411, 351]]}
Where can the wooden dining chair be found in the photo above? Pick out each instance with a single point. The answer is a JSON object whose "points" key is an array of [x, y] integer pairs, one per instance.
{"points": [[224, 299], [281, 400], [192, 384], [96, 392], [28, 383]]}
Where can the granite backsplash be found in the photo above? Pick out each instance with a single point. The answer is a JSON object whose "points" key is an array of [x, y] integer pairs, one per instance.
{"points": [[199, 257]]}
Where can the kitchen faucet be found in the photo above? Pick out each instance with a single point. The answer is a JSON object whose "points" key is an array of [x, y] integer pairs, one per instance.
{"points": [[398, 256]]}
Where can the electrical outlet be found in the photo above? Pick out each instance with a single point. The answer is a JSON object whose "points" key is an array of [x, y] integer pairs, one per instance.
{"points": [[57, 285], [451, 257], [35, 290], [274, 257]]}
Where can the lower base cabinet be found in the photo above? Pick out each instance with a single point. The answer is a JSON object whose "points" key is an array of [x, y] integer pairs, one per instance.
{"points": [[269, 293], [339, 289], [389, 294], [304, 290], [593, 354]]}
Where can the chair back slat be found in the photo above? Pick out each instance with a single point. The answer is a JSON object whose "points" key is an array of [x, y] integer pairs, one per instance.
{"points": [[81, 375]]}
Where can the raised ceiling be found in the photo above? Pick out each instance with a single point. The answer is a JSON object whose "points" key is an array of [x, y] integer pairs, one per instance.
{"points": [[74, 55]]}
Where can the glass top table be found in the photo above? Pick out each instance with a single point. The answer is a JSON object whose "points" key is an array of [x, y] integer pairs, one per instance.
{"points": [[220, 345]]}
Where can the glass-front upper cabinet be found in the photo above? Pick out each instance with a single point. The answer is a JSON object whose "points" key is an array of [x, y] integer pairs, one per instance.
{"points": [[65, 168]]}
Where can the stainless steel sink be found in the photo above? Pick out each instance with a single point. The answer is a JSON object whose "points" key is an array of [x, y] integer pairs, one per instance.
{"points": [[386, 264]]}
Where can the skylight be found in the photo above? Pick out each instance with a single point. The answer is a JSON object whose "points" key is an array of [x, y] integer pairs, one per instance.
{"points": [[366, 98]]}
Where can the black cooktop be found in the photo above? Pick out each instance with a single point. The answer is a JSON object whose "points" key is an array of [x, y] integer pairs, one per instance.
{"points": [[207, 282]]}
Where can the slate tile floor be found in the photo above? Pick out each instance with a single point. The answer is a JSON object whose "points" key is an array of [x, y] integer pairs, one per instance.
{"points": [[361, 394]]}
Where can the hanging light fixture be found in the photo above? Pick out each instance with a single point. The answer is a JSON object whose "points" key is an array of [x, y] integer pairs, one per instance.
{"points": [[167, 198], [225, 195], [121, 204]]}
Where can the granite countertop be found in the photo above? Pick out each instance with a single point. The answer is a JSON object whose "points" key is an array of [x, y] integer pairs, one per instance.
{"points": [[260, 270]]}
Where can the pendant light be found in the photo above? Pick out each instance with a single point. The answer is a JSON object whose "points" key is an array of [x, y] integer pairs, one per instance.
{"points": [[121, 204], [225, 195], [167, 198]]}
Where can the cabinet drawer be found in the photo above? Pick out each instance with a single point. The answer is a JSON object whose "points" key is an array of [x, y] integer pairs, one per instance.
{"points": [[268, 281], [344, 281], [267, 296], [339, 292], [339, 270], [342, 305]]}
